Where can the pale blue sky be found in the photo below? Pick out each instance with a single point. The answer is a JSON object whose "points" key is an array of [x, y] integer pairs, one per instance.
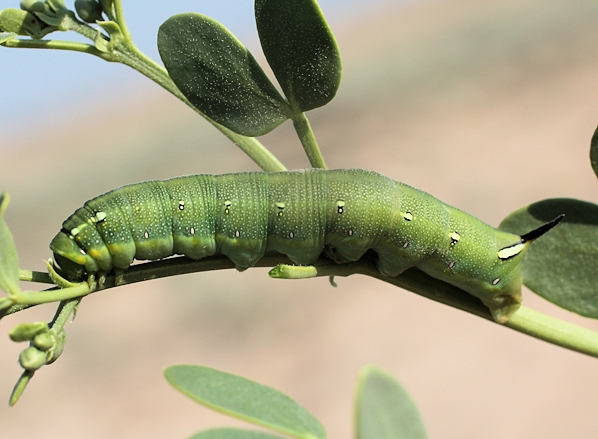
{"points": [[35, 82]]}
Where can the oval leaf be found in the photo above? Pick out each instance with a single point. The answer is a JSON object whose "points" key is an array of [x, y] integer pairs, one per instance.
{"points": [[384, 409], [219, 76], [20, 22], [561, 265], [301, 50], [244, 399], [232, 433], [9, 261], [594, 152]]}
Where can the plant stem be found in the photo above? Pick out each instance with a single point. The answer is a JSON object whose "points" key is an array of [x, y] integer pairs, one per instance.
{"points": [[56, 45], [554, 331], [525, 320], [120, 19], [64, 311], [51, 295], [35, 276], [308, 140]]}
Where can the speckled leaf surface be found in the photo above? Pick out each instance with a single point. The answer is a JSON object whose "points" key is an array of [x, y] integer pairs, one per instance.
{"points": [[301, 50], [561, 266], [219, 76]]}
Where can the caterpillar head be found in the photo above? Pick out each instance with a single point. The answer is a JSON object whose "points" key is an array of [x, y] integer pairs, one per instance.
{"points": [[71, 258]]}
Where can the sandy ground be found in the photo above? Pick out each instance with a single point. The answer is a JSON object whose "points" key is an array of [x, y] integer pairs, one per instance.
{"points": [[487, 105]]}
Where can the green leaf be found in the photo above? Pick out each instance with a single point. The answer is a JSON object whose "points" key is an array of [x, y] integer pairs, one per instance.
{"points": [[244, 399], [384, 410], [20, 22], [561, 265], [232, 433], [219, 76], [9, 261], [594, 152], [301, 50], [5, 36]]}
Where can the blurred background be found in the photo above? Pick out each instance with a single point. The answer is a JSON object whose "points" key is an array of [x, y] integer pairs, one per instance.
{"points": [[487, 105]]}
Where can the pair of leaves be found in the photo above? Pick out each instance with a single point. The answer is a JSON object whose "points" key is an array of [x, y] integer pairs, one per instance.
{"points": [[561, 265], [384, 409], [222, 79]]}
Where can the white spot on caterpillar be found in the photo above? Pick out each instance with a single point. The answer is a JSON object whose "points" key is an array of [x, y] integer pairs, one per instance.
{"points": [[406, 245], [451, 264], [181, 205], [192, 230], [146, 235], [82, 251], [509, 252], [496, 281], [340, 207], [407, 216], [455, 237], [100, 216], [291, 235], [237, 233], [350, 232]]}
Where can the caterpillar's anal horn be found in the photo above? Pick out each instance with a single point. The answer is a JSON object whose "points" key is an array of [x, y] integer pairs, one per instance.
{"points": [[536, 233]]}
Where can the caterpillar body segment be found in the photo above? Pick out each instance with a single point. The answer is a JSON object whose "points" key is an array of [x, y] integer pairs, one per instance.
{"points": [[299, 214]]}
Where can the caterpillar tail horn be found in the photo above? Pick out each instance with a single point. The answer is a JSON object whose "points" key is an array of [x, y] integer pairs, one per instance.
{"points": [[536, 233], [518, 248]]}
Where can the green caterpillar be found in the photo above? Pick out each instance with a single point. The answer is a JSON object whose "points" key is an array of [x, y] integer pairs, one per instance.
{"points": [[299, 214]]}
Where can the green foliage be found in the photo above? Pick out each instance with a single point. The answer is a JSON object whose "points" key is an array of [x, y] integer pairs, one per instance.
{"points": [[383, 409], [219, 75], [561, 266], [301, 50], [244, 399]]}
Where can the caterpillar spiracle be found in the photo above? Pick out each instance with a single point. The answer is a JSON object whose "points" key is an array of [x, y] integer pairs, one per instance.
{"points": [[299, 214]]}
